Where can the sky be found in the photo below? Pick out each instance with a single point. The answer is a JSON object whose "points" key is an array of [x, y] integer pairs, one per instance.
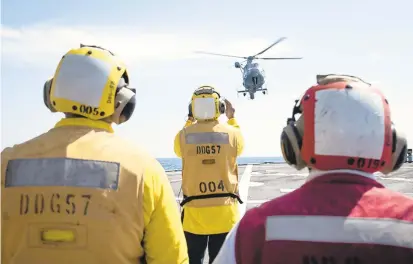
{"points": [[156, 40]]}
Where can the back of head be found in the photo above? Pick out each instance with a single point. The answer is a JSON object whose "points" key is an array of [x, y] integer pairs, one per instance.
{"points": [[206, 104], [345, 123], [91, 82]]}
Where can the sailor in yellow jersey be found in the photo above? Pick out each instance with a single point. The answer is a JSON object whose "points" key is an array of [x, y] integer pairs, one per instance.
{"points": [[209, 151], [80, 194]]}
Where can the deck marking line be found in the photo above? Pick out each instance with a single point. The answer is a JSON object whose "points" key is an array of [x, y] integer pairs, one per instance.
{"points": [[175, 180], [244, 184], [287, 190]]}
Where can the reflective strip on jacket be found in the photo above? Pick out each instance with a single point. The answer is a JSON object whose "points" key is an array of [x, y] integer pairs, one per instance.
{"points": [[213, 215], [80, 194], [336, 217]]}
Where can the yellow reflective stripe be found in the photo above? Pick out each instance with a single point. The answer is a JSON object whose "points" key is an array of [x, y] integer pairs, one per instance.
{"points": [[55, 235], [85, 122]]}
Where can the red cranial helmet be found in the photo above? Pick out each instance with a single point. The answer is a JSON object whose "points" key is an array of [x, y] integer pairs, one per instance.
{"points": [[345, 123]]}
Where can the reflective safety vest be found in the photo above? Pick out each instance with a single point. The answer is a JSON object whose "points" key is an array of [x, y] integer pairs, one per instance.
{"points": [[209, 165], [80, 194]]}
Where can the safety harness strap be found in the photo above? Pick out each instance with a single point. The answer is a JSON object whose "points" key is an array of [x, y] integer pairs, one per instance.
{"points": [[207, 196]]}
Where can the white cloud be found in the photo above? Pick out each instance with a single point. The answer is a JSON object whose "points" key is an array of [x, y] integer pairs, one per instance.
{"points": [[38, 45]]}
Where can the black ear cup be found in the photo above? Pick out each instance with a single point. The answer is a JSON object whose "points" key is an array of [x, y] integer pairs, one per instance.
{"points": [[222, 107], [46, 94], [287, 149], [190, 110], [125, 102], [394, 135], [47, 87], [401, 159], [129, 109], [297, 136], [399, 150], [291, 143]]}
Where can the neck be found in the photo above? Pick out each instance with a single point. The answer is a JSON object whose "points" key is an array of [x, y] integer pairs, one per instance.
{"points": [[317, 173], [70, 115]]}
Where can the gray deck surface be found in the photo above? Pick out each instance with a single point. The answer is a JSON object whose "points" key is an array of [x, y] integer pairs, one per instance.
{"points": [[269, 181]]}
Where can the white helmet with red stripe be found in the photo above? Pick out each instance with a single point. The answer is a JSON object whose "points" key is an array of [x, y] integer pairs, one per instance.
{"points": [[345, 123]]}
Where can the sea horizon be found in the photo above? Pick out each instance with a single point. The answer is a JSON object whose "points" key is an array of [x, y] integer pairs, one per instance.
{"points": [[175, 164]]}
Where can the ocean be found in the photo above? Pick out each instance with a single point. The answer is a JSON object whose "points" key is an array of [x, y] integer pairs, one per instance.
{"points": [[175, 164]]}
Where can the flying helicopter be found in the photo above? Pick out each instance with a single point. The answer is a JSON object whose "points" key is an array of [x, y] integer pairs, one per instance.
{"points": [[252, 74]]}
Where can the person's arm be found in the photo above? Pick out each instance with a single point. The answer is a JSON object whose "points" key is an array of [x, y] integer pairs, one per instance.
{"points": [[240, 139], [177, 141], [164, 239]]}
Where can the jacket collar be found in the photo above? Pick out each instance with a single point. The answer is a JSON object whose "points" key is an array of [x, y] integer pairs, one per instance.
{"points": [[350, 176], [84, 122]]}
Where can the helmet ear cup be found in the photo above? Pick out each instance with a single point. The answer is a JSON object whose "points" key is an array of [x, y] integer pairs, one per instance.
{"points": [[125, 102], [291, 143], [222, 107], [190, 110], [399, 152], [287, 149], [47, 87]]}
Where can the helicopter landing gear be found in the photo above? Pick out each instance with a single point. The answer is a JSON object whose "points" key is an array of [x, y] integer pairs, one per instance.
{"points": [[245, 94], [263, 92], [252, 96]]}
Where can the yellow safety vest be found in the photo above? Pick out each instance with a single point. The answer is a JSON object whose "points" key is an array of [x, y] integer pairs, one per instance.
{"points": [[209, 153], [80, 194]]}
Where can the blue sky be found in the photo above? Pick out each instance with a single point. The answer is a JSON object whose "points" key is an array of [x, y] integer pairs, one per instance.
{"points": [[156, 40]]}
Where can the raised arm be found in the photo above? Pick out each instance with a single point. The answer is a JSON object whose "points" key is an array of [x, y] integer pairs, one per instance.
{"points": [[240, 138], [230, 113]]}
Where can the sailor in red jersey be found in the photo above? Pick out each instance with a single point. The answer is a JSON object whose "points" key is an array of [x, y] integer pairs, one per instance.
{"points": [[341, 214]]}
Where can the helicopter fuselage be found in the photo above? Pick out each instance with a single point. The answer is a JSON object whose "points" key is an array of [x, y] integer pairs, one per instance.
{"points": [[253, 77]]}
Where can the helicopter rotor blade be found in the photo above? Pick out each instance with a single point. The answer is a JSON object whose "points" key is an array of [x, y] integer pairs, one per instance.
{"points": [[272, 45], [280, 58], [217, 54]]}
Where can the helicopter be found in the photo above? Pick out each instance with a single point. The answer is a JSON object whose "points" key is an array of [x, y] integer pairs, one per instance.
{"points": [[253, 75]]}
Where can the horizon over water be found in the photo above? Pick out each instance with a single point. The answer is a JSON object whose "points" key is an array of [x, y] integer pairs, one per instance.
{"points": [[175, 164]]}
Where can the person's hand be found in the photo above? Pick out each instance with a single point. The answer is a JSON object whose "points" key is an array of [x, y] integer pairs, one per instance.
{"points": [[229, 110]]}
